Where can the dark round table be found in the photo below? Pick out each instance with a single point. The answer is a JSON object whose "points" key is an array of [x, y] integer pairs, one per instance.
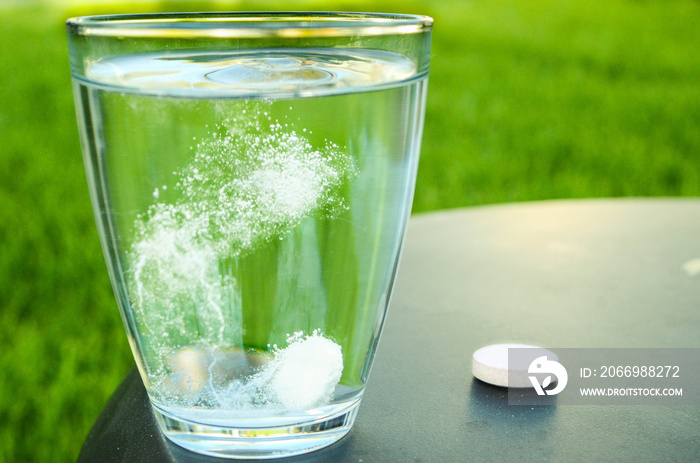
{"points": [[579, 273]]}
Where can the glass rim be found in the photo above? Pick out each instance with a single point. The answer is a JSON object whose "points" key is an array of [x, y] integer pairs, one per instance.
{"points": [[248, 24]]}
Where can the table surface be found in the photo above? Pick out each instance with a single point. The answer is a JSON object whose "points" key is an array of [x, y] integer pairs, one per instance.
{"points": [[580, 273]]}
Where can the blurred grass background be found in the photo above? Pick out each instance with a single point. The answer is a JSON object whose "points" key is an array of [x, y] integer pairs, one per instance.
{"points": [[528, 100]]}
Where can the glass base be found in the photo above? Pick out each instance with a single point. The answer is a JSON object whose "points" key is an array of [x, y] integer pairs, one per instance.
{"points": [[257, 443]]}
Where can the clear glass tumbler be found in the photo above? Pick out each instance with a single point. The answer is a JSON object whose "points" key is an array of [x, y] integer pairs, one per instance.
{"points": [[251, 176]]}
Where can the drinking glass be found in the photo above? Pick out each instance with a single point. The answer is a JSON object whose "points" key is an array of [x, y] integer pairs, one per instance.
{"points": [[251, 176]]}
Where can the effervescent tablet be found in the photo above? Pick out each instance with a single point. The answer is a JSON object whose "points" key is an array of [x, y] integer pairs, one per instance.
{"points": [[490, 365]]}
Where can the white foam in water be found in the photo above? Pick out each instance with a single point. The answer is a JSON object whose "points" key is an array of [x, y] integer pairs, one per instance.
{"points": [[172, 267], [247, 184], [261, 183], [240, 189]]}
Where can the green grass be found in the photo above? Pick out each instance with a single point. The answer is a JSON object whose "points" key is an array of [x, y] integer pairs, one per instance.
{"points": [[528, 100]]}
